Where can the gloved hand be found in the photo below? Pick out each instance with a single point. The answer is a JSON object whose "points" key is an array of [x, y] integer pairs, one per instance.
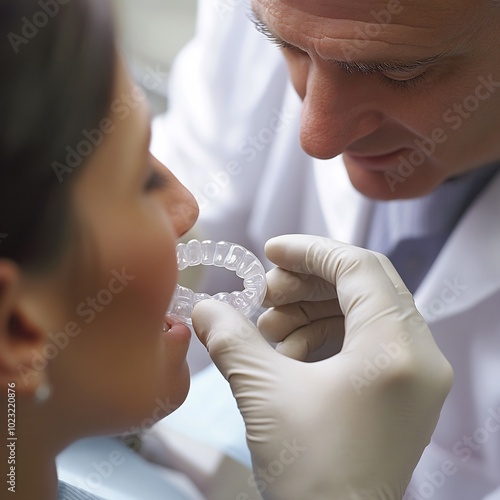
{"points": [[350, 427]]}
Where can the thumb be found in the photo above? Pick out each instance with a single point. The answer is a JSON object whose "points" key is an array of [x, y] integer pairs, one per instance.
{"points": [[245, 359], [235, 345]]}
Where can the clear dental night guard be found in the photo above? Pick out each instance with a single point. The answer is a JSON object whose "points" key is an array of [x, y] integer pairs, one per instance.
{"points": [[222, 254]]}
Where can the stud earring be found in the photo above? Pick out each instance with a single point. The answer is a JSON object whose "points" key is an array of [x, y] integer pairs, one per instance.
{"points": [[43, 393]]}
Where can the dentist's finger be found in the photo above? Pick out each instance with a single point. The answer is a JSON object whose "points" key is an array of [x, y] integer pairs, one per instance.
{"points": [[358, 275], [234, 344], [319, 340], [279, 322], [285, 287]]}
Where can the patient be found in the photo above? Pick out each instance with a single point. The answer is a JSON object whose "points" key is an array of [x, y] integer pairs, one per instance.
{"points": [[89, 222]]}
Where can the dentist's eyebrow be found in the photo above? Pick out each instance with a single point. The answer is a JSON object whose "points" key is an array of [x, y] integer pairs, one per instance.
{"points": [[348, 66], [262, 27]]}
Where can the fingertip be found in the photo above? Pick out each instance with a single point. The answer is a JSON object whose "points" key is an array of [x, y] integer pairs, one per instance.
{"points": [[294, 349], [269, 247], [275, 247], [273, 241], [219, 325], [393, 275], [202, 318]]}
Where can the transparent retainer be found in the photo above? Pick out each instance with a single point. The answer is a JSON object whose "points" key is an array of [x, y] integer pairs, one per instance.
{"points": [[221, 254]]}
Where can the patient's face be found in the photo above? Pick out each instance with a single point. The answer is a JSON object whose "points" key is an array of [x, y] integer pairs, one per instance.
{"points": [[407, 88], [122, 370]]}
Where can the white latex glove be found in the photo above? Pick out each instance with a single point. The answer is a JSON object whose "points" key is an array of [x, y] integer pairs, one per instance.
{"points": [[351, 427]]}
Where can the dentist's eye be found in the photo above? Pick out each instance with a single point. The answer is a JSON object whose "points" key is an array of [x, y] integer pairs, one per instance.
{"points": [[156, 181], [404, 80]]}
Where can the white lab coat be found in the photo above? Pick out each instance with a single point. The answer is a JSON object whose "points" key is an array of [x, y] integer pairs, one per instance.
{"points": [[232, 136]]}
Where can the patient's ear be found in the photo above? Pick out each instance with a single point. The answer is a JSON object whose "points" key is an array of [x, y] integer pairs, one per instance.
{"points": [[20, 339]]}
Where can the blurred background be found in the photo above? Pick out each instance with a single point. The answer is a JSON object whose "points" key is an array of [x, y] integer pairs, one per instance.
{"points": [[152, 33]]}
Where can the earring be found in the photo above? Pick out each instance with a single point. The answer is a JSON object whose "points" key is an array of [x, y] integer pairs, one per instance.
{"points": [[43, 393]]}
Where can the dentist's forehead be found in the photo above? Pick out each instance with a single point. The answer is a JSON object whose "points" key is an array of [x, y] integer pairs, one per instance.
{"points": [[394, 26], [331, 8], [447, 14]]}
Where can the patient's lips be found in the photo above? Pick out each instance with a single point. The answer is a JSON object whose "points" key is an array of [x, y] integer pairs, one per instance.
{"points": [[222, 254]]}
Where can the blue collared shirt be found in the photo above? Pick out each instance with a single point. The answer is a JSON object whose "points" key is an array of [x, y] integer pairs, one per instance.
{"points": [[412, 232], [69, 492]]}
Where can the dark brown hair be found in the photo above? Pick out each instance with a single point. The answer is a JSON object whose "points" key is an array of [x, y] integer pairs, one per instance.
{"points": [[57, 66]]}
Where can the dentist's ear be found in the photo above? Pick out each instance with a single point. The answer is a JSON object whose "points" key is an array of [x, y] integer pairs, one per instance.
{"points": [[19, 337]]}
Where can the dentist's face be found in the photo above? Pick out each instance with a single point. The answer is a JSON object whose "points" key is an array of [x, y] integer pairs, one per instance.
{"points": [[407, 90]]}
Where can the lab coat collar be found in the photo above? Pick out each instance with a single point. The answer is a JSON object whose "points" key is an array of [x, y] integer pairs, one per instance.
{"points": [[347, 212], [467, 270]]}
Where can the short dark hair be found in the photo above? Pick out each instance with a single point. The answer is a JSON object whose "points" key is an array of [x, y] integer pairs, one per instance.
{"points": [[57, 63]]}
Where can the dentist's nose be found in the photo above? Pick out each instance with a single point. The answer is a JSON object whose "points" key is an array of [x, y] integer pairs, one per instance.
{"points": [[338, 109]]}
